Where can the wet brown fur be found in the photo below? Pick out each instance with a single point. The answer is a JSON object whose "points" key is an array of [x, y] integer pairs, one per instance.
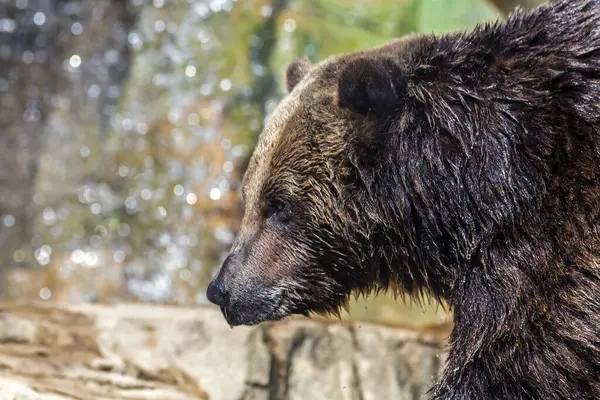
{"points": [[464, 165]]}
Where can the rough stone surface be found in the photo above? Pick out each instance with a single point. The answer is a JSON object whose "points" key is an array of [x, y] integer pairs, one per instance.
{"points": [[51, 351]]}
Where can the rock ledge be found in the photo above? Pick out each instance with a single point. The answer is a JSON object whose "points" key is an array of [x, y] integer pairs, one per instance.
{"points": [[130, 351]]}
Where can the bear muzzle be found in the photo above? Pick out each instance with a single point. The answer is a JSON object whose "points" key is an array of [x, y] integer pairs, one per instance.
{"points": [[243, 300]]}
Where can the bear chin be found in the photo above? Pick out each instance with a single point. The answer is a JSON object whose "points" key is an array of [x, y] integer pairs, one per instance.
{"points": [[276, 311], [245, 313]]}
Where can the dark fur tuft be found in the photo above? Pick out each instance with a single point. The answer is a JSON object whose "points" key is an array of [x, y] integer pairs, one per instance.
{"points": [[368, 85]]}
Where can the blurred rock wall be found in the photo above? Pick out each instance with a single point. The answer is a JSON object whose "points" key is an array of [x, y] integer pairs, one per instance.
{"points": [[152, 352]]}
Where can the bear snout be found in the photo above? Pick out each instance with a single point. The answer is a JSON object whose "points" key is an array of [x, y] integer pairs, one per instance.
{"points": [[218, 291], [244, 300]]}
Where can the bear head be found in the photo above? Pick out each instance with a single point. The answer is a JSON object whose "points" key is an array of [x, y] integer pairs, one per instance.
{"points": [[366, 177], [303, 240]]}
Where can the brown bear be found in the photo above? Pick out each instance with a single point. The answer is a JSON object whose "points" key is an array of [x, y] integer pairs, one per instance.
{"points": [[465, 165]]}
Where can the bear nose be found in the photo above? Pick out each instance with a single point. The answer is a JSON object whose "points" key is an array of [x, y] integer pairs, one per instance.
{"points": [[218, 292]]}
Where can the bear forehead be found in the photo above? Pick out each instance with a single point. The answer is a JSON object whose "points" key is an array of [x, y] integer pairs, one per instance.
{"points": [[318, 83], [317, 88]]}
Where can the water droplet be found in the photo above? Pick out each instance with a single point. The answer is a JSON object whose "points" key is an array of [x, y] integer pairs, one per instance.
{"points": [[203, 37], [22, 4], [178, 190], [42, 254], [161, 212], [225, 85], [160, 26], [9, 221], [205, 89], [45, 293], [123, 171], [43, 260], [7, 25], [75, 61], [94, 90], [289, 25], [84, 151], [39, 18], [190, 71], [202, 10], [135, 40], [111, 56], [131, 203], [90, 259], [215, 194], [146, 194], [215, 5], [77, 256], [96, 208], [158, 3], [191, 199], [127, 124], [173, 116], [28, 57], [49, 216], [266, 11], [119, 256], [77, 28]]}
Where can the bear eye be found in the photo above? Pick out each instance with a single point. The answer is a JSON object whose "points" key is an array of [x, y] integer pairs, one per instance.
{"points": [[277, 208]]}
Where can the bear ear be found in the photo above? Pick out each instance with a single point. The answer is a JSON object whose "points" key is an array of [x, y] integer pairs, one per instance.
{"points": [[296, 70], [370, 86]]}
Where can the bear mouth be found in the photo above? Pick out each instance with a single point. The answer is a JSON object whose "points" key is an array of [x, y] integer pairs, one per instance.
{"points": [[254, 314]]}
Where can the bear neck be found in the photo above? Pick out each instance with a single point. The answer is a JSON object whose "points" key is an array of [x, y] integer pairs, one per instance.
{"points": [[487, 194]]}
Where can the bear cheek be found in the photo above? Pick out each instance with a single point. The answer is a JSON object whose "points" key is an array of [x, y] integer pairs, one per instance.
{"points": [[273, 256]]}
